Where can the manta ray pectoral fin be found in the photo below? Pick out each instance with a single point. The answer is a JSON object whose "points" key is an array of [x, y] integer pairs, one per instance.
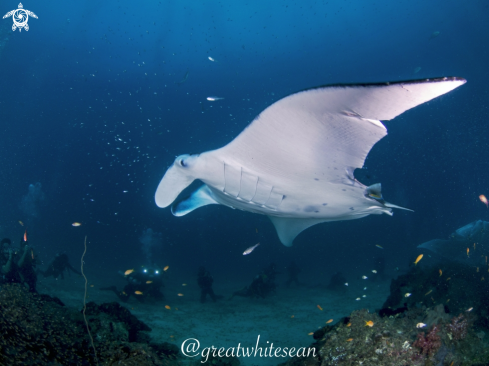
{"points": [[288, 228], [201, 197], [390, 205], [176, 179]]}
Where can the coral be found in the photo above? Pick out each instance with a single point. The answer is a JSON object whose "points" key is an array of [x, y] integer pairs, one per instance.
{"points": [[430, 343], [458, 327]]}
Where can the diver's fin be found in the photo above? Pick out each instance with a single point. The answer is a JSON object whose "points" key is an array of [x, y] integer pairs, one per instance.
{"points": [[201, 197], [390, 205], [288, 228], [374, 191]]}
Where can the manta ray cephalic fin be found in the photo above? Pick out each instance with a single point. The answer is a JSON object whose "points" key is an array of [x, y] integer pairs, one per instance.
{"points": [[200, 197]]}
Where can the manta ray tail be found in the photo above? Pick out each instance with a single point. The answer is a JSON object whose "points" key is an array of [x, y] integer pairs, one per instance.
{"points": [[200, 197]]}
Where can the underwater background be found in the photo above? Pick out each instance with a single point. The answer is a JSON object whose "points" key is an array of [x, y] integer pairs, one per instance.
{"points": [[98, 98]]}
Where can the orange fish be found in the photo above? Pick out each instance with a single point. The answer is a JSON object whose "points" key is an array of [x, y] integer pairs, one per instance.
{"points": [[349, 339], [310, 333], [167, 307], [484, 200], [348, 325], [166, 268], [319, 307], [148, 282], [418, 259], [180, 294], [468, 250], [128, 272], [138, 292], [369, 324], [449, 278], [441, 272], [329, 321], [292, 316], [25, 236]]}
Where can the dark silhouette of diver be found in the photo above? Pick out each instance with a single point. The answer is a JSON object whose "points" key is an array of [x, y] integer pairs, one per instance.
{"points": [[205, 281], [144, 283], [58, 265], [262, 285], [292, 273], [18, 267]]}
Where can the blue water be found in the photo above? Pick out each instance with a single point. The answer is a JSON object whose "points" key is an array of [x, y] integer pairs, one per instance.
{"points": [[91, 106]]}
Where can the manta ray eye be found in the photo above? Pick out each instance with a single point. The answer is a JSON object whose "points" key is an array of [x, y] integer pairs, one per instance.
{"points": [[182, 163]]}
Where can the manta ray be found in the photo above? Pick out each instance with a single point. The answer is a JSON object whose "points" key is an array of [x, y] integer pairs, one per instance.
{"points": [[295, 161]]}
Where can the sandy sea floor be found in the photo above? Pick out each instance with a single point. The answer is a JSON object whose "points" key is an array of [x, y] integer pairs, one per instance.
{"points": [[284, 319]]}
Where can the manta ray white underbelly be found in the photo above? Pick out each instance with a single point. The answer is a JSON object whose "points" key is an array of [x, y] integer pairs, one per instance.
{"points": [[295, 161]]}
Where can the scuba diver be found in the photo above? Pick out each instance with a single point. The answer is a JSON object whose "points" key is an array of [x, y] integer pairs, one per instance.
{"points": [[58, 265], [205, 282], [292, 273], [17, 267], [144, 283], [262, 285]]}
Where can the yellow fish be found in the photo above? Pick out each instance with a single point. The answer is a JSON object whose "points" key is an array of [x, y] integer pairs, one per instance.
{"points": [[167, 307], [319, 307], [418, 259], [128, 272], [329, 321], [349, 339], [369, 324], [138, 292], [441, 272], [148, 282], [75, 224], [21, 223], [180, 294], [166, 268], [311, 333], [468, 250], [449, 278]]}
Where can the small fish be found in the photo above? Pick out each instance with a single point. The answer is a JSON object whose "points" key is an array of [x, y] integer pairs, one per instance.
{"points": [[211, 59], [167, 307], [418, 259], [319, 307], [374, 271], [128, 272], [250, 249], [21, 223], [91, 285], [292, 316], [452, 363], [468, 250], [369, 324], [349, 339], [407, 294], [348, 325], [435, 34], [474, 246], [138, 292], [329, 321], [184, 284], [346, 283], [364, 295], [75, 224], [311, 333], [469, 309], [448, 300], [378, 246], [256, 231], [213, 99], [429, 292], [25, 235], [449, 278], [484, 200], [32, 254], [440, 271], [420, 325], [477, 269], [148, 282], [179, 294], [166, 268], [364, 277], [364, 288], [358, 299]]}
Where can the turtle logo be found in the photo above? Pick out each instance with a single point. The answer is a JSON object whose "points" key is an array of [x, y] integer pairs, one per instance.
{"points": [[20, 17]]}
